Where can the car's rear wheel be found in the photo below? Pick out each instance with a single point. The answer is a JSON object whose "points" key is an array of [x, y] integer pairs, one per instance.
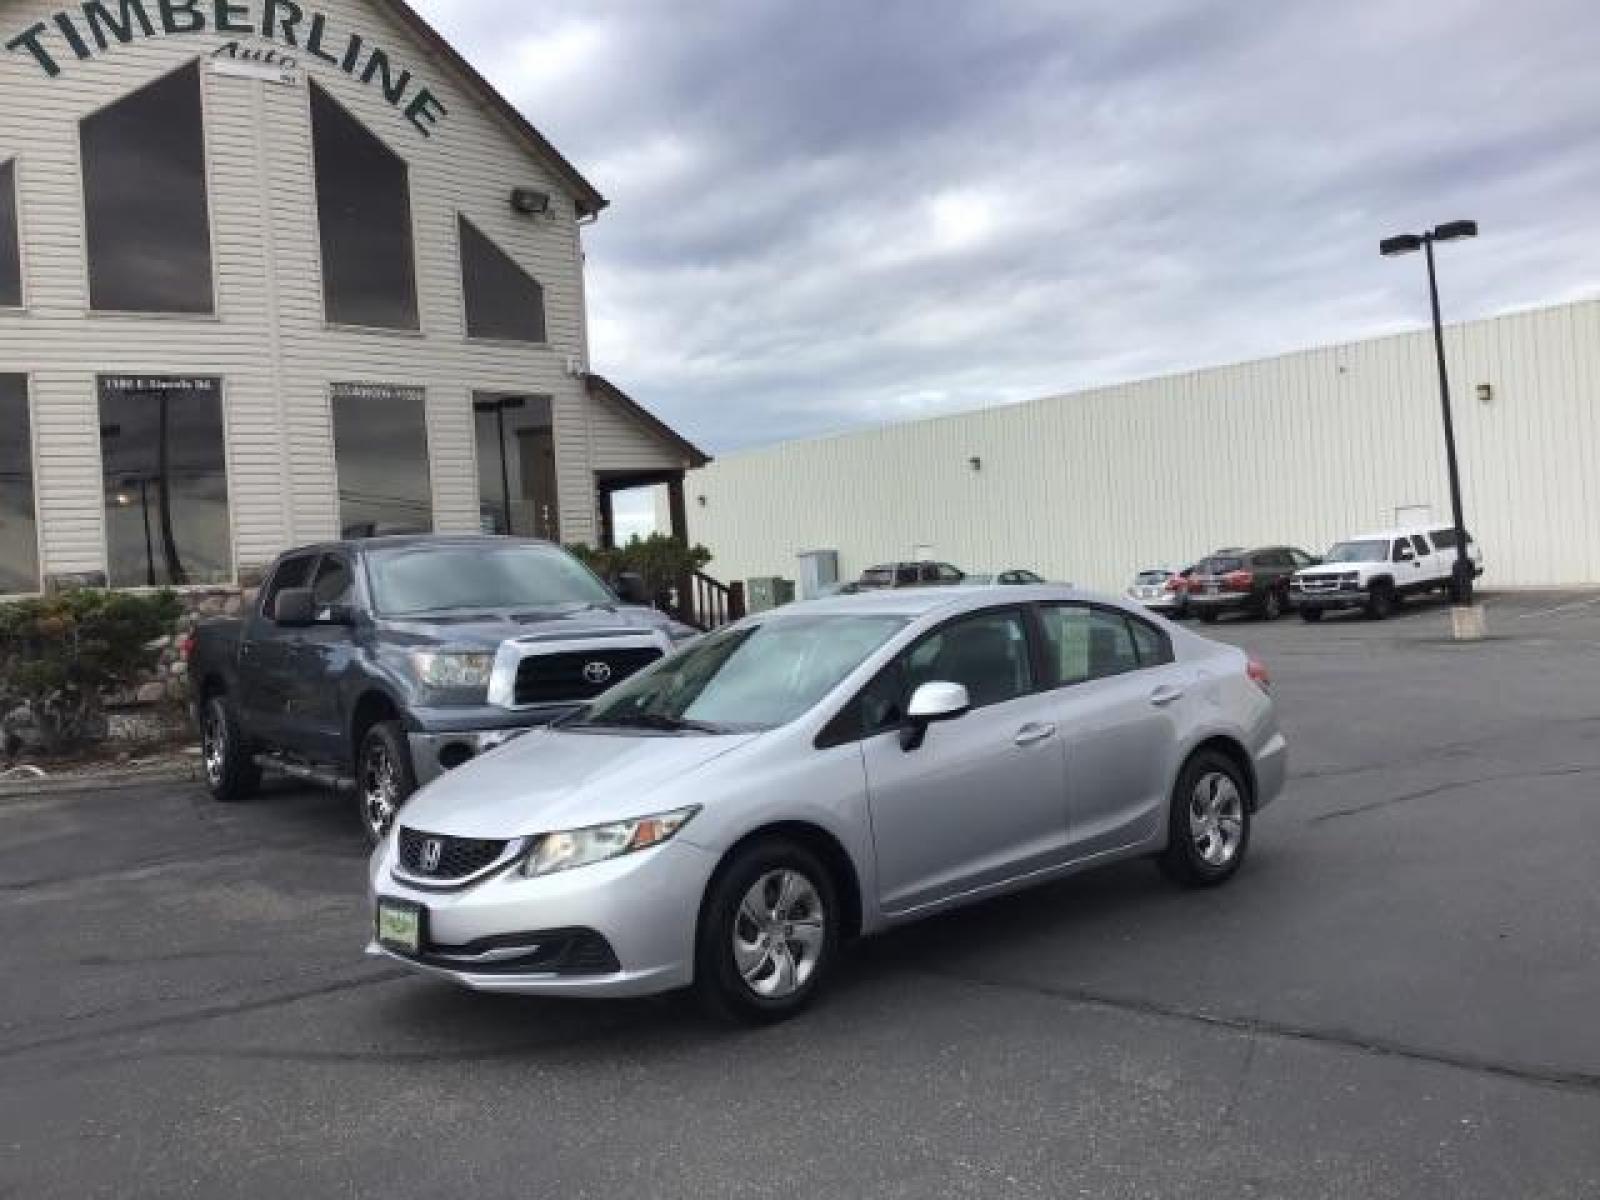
{"points": [[230, 769], [1311, 614], [768, 933], [1209, 829], [384, 778]]}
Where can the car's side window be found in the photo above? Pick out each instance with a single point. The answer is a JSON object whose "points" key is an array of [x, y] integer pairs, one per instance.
{"points": [[1402, 550], [333, 583], [1420, 543], [1084, 643], [905, 574], [1154, 647], [291, 573], [948, 574]]}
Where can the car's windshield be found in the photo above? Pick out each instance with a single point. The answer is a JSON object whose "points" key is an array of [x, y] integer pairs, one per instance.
{"points": [[1220, 565], [1354, 552], [408, 580], [752, 678]]}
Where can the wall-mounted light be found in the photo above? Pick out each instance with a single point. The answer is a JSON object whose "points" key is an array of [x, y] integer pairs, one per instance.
{"points": [[1485, 393], [530, 202], [700, 500], [975, 463]]}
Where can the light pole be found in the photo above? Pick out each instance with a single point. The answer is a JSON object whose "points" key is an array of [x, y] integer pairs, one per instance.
{"points": [[1408, 243]]}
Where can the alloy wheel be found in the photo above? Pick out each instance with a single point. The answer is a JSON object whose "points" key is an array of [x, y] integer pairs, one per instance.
{"points": [[380, 788], [1216, 819], [214, 743], [779, 933]]}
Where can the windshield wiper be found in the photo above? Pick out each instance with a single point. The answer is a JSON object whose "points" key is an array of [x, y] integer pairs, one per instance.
{"points": [[653, 721]]}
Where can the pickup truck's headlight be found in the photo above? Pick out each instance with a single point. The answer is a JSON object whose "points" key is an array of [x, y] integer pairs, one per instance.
{"points": [[579, 847], [452, 669]]}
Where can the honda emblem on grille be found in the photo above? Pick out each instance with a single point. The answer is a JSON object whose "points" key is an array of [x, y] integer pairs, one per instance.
{"points": [[597, 672], [432, 852]]}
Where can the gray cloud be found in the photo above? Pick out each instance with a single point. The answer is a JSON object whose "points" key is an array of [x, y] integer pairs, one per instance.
{"points": [[833, 214]]}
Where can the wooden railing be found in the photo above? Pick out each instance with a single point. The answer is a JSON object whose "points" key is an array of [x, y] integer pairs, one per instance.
{"points": [[707, 603]]}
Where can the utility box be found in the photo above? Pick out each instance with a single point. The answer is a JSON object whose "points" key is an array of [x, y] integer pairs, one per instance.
{"points": [[767, 591], [819, 571]]}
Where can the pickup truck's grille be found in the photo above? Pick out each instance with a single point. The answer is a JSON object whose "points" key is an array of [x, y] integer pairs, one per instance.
{"points": [[456, 857], [578, 675]]}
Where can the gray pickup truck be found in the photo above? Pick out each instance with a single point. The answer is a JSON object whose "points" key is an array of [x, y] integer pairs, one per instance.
{"points": [[374, 666]]}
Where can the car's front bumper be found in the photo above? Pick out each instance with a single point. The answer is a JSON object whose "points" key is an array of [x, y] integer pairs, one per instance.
{"points": [[644, 907]]}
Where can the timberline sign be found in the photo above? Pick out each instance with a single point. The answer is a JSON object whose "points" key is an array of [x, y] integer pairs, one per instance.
{"points": [[97, 25]]}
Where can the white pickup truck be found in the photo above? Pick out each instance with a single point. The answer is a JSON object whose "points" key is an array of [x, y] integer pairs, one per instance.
{"points": [[1376, 571]]}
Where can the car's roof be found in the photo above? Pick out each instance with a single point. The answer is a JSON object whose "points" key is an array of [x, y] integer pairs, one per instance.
{"points": [[917, 602], [1379, 535]]}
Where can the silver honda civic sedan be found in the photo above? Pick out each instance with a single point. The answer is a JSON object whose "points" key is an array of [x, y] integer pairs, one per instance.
{"points": [[730, 816]]}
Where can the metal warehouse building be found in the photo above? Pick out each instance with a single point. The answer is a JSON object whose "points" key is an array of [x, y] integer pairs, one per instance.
{"points": [[1302, 449], [273, 270]]}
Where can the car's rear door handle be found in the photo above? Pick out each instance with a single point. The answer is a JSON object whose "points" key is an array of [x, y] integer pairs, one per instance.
{"points": [[1029, 734], [1165, 694]]}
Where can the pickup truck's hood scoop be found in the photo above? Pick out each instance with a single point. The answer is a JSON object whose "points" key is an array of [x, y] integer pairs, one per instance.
{"points": [[550, 779]]}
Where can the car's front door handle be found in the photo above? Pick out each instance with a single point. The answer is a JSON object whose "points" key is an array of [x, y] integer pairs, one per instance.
{"points": [[1029, 734], [1165, 694]]}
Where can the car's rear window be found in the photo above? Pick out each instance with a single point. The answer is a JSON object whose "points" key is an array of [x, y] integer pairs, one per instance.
{"points": [[877, 577], [1219, 566], [1149, 577]]}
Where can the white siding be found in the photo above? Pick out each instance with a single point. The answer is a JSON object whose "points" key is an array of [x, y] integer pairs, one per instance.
{"points": [[623, 443], [1302, 449], [269, 340]]}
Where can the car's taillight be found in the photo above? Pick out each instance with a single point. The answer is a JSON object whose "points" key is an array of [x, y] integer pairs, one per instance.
{"points": [[1238, 581], [1259, 675]]}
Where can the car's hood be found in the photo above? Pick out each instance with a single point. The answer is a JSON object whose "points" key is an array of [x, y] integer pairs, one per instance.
{"points": [[550, 779], [486, 629]]}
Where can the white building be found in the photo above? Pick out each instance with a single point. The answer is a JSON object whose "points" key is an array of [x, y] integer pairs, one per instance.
{"points": [[275, 269], [1301, 449]]}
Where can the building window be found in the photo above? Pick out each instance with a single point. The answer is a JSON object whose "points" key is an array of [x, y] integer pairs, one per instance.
{"points": [[516, 466], [380, 446], [19, 537], [364, 209], [504, 302], [166, 481], [144, 199], [10, 241]]}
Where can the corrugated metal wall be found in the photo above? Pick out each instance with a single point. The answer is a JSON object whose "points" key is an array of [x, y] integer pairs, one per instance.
{"points": [[269, 340], [1301, 449]]}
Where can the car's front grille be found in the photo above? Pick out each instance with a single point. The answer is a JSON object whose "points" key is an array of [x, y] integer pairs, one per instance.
{"points": [[436, 857], [580, 674]]}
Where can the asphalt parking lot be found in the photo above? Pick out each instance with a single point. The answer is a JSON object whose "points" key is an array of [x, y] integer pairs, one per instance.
{"points": [[1397, 997]]}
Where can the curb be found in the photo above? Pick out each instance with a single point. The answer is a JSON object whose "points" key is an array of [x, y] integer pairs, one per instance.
{"points": [[111, 781]]}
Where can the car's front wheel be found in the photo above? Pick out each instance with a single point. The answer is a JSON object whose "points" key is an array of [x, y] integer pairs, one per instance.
{"points": [[1311, 614], [768, 933], [384, 778], [1209, 829], [231, 772]]}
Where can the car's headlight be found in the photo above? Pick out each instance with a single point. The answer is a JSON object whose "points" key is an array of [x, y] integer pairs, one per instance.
{"points": [[452, 668], [579, 847]]}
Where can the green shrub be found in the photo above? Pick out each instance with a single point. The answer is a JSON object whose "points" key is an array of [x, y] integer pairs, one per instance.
{"points": [[659, 559], [60, 655]]}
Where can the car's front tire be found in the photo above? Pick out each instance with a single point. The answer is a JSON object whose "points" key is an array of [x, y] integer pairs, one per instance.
{"points": [[1381, 602], [230, 769], [1209, 822], [384, 778], [769, 932], [1311, 614], [1208, 616]]}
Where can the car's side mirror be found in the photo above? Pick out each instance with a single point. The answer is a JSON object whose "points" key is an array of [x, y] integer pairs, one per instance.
{"points": [[930, 703], [294, 608], [630, 589]]}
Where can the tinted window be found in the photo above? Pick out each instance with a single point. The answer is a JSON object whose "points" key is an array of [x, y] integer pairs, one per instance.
{"points": [[1300, 558], [19, 541], [166, 480], [1445, 539], [380, 447], [333, 582], [948, 574], [1420, 544], [1402, 550], [144, 199], [503, 301], [876, 577], [1219, 565], [1153, 647], [523, 577], [1083, 643], [364, 211], [906, 574], [10, 245], [291, 573], [988, 654], [1354, 552]]}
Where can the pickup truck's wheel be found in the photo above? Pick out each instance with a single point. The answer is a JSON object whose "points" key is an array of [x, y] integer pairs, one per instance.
{"points": [[1271, 605], [1311, 614], [1209, 828], [768, 933], [384, 778], [231, 772], [1208, 616], [1380, 601]]}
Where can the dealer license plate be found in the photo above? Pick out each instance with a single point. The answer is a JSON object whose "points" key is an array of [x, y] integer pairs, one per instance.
{"points": [[400, 925]]}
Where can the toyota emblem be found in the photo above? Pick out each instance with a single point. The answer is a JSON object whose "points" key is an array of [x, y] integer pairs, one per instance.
{"points": [[432, 852], [597, 673]]}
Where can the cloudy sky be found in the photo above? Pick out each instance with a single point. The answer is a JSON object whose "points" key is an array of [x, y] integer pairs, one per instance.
{"points": [[840, 213]]}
